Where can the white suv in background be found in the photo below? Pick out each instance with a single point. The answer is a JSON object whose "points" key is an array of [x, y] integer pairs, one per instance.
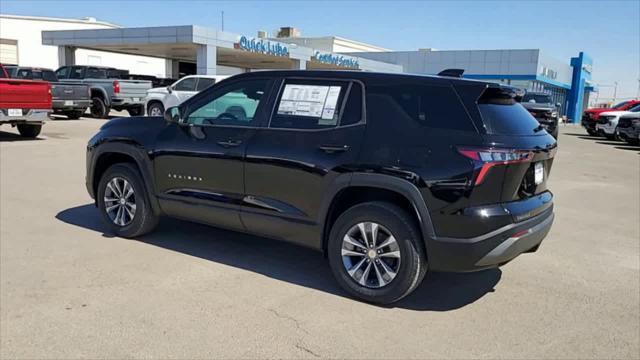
{"points": [[607, 125], [159, 99]]}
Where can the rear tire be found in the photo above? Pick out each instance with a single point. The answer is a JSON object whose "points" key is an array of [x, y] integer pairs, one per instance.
{"points": [[139, 219], [29, 130], [155, 109], [136, 111], [99, 109], [409, 262]]}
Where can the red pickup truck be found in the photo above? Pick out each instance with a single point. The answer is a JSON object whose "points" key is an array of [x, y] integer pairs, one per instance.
{"points": [[590, 116], [24, 103]]}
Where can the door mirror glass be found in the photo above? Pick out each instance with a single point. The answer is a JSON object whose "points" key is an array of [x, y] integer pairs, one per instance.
{"points": [[172, 115]]}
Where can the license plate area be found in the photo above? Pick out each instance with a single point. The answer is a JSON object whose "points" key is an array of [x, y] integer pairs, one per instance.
{"points": [[68, 103], [14, 112], [538, 173]]}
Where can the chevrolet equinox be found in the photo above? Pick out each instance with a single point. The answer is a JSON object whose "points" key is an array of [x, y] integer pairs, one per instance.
{"points": [[389, 175]]}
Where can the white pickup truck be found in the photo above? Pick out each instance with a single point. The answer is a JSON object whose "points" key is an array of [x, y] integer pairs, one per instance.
{"points": [[159, 99]]}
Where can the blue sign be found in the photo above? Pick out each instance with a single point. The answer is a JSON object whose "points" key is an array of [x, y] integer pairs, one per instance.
{"points": [[262, 47], [337, 60]]}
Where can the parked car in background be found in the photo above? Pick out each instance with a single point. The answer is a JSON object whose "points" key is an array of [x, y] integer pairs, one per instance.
{"points": [[24, 103], [70, 99], [155, 81], [159, 99], [108, 88], [629, 128], [607, 124], [541, 106], [590, 116], [379, 171]]}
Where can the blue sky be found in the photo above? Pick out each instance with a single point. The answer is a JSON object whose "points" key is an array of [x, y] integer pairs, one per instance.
{"points": [[607, 30]]}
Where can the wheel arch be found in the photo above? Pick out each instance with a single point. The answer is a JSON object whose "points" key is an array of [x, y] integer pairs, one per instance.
{"points": [[102, 93], [108, 154], [350, 189]]}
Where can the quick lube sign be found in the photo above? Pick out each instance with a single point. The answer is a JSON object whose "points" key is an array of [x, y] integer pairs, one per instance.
{"points": [[262, 46], [338, 60]]}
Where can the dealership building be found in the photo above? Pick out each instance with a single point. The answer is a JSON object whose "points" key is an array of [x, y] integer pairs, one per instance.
{"points": [[174, 51]]}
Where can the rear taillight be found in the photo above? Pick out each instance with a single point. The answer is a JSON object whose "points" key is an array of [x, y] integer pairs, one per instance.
{"points": [[50, 94], [116, 87], [486, 158]]}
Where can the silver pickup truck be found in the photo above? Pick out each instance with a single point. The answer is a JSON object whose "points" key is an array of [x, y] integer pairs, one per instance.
{"points": [[69, 99], [109, 89]]}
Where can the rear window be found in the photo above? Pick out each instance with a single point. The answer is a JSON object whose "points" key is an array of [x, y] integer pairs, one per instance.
{"points": [[502, 115], [95, 73], [432, 106]]}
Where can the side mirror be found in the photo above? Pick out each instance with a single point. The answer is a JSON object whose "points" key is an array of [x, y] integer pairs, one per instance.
{"points": [[558, 105], [173, 115], [169, 89]]}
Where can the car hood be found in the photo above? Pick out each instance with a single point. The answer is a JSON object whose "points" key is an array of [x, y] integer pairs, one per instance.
{"points": [[158, 90], [614, 113]]}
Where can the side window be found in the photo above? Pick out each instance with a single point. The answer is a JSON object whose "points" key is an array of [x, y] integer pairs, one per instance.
{"points": [[188, 84], [204, 83], [76, 73], [235, 104], [353, 108], [432, 106], [95, 73], [24, 74], [63, 72], [309, 104], [48, 75]]}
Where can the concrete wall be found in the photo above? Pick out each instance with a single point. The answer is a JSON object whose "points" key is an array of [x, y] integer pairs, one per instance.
{"points": [[27, 32]]}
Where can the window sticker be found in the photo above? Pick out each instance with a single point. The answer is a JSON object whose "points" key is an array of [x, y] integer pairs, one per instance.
{"points": [[310, 100]]}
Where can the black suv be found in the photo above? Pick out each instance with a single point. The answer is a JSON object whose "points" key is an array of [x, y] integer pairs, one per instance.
{"points": [[543, 109], [389, 175]]}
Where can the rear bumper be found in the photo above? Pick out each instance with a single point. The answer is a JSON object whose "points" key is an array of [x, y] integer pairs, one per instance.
{"points": [[127, 102], [67, 105], [494, 248], [34, 116]]}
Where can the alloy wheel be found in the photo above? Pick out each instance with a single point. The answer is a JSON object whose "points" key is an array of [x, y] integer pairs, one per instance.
{"points": [[120, 201], [155, 111], [370, 254]]}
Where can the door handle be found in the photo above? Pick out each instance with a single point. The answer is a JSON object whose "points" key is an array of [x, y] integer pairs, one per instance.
{"points": [[229, 143], [330, 149]]}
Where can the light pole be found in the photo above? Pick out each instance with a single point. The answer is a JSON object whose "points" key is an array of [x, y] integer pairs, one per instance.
{"points": [[615, 91]]}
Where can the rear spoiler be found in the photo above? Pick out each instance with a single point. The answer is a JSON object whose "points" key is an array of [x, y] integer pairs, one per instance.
{"points": [[457, 73]]}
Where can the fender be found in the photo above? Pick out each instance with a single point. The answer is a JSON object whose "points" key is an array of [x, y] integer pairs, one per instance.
{"points": [[387, 182], [135, 151], [105, 95]]}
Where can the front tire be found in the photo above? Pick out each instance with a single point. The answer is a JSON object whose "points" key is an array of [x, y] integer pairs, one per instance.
{"points": [[375, 252], [155, 109], [124, 203], [29, 130]]}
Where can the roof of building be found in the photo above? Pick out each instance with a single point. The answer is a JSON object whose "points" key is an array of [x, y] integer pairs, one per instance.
{"points": [[87, 20]]}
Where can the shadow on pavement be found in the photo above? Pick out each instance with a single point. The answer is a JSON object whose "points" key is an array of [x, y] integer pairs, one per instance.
{"points": [[290, 263], [7, 136]]}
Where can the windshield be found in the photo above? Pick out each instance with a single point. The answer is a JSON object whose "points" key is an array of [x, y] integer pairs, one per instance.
{"points": [[536, 98]]}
